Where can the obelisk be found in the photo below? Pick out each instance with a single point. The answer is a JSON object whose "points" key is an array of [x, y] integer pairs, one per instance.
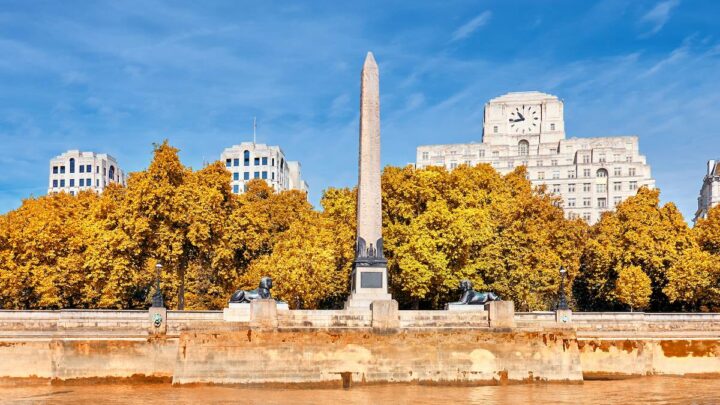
{"points": [[369, 276]]}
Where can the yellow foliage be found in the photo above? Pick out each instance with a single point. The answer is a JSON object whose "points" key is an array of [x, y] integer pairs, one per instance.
{"points": [[633, 287]]}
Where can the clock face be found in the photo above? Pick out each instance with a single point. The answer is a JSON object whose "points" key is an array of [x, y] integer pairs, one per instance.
{"points": [[524, 119]]}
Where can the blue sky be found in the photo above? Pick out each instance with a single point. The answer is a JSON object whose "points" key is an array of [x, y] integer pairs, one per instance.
{"points": [[116, 76]]}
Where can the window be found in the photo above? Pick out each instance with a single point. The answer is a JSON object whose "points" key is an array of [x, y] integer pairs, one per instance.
{"points": [[236, 176], [552, 126], [495, 129], [553, 162], [617, 171], [72, 165], [496, 154], [571, 188], [264, 161], [72, 193], [256, 161], [511, 164], [264, 175], [601, 158], [586, 216], [72, 182], [523, 148], [62, 183], [617, 186], [481, 153], [246, 158], [556, 174], [97, 169], [633, 185], [556, 188], [586, 172], [586, 187], [602, 203], [571, 174], [425, 156], [82, 168], [571, 202], [55, 183], [236, 188], [272, 175], [246, 176], [631, 172], [551, 151], [88, 168], [539, 162], [586, 202], [282, 163], [617, 200], [256, 175], [236, 162], [88, 182], [541, 175], [111, 173], [55, 170], [62, 169], [601, 188], [628, 159], [452, 153], [453, 165], [272, 162], [601, 173], [586, 159], [82, 181]]}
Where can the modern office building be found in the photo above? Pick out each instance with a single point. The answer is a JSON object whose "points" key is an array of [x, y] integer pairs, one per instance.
{"points": [[710, 190], [251, 160], [591, 175], [75, 171]]}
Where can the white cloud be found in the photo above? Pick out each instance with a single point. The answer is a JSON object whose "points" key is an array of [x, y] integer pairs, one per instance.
{"points": [[471, 26], [659, 16]]}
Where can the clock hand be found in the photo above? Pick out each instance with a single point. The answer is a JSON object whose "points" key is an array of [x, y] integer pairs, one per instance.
{"points": [[521, 117]]}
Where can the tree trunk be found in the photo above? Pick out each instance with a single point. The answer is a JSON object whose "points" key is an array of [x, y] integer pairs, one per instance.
{"points": [[181, 288]]}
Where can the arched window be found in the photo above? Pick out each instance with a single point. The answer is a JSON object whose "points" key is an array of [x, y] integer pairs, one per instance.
{"points": [[602, 173], [246, 158], [111, 172], [72, 165], [523, 148]]}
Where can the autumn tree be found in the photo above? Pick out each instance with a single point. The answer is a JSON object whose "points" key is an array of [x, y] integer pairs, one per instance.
{"points": [[640, 233], [633, 287], [694, 280]]}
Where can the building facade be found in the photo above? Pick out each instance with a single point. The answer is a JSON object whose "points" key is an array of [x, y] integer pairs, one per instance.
{"points": [[710, 190], [250, 160], [75, 171], [591, 175]]}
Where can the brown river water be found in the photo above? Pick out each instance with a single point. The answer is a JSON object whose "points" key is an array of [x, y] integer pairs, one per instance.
{"points": [[649, 390]]}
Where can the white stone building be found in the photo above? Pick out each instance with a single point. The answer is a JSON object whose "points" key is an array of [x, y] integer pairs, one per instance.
{"points": [[250, 160], [75, 171], [591, 175], [710, 191]]}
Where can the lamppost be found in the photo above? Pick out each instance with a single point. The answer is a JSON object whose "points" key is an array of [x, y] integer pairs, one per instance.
{"points": [[157, 299], [562, 302]]}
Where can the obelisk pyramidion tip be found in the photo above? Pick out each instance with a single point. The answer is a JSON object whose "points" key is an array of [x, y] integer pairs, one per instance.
{"points": [[370, 60]]}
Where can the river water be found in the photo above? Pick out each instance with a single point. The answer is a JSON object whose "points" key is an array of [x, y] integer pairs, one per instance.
{"points": [[650, 390]]}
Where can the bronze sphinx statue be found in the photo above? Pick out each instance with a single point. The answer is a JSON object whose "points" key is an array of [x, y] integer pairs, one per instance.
{"points": [[262, 292], [472, 297]]}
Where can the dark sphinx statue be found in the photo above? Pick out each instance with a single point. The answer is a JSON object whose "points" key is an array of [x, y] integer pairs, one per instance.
{"points": [[472, 297], [262, 292]]}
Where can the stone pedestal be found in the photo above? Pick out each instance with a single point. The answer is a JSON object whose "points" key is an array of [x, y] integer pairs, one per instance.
{"points": [[563, 316], [385, 315], [158, 320], [501, 314], [240, 311], [465, 307], [367, 284], [263, 314]]}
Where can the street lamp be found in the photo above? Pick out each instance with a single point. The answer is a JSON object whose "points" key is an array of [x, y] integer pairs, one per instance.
{"points": [[562, 302], [157, 299]]}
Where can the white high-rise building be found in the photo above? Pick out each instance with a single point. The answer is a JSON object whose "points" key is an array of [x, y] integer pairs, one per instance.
{"points": [[710, 190], [75, 171], [591, 175], [251, 160]]}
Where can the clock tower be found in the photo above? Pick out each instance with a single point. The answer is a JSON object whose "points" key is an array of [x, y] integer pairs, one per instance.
{"points": [[532, 117]]}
